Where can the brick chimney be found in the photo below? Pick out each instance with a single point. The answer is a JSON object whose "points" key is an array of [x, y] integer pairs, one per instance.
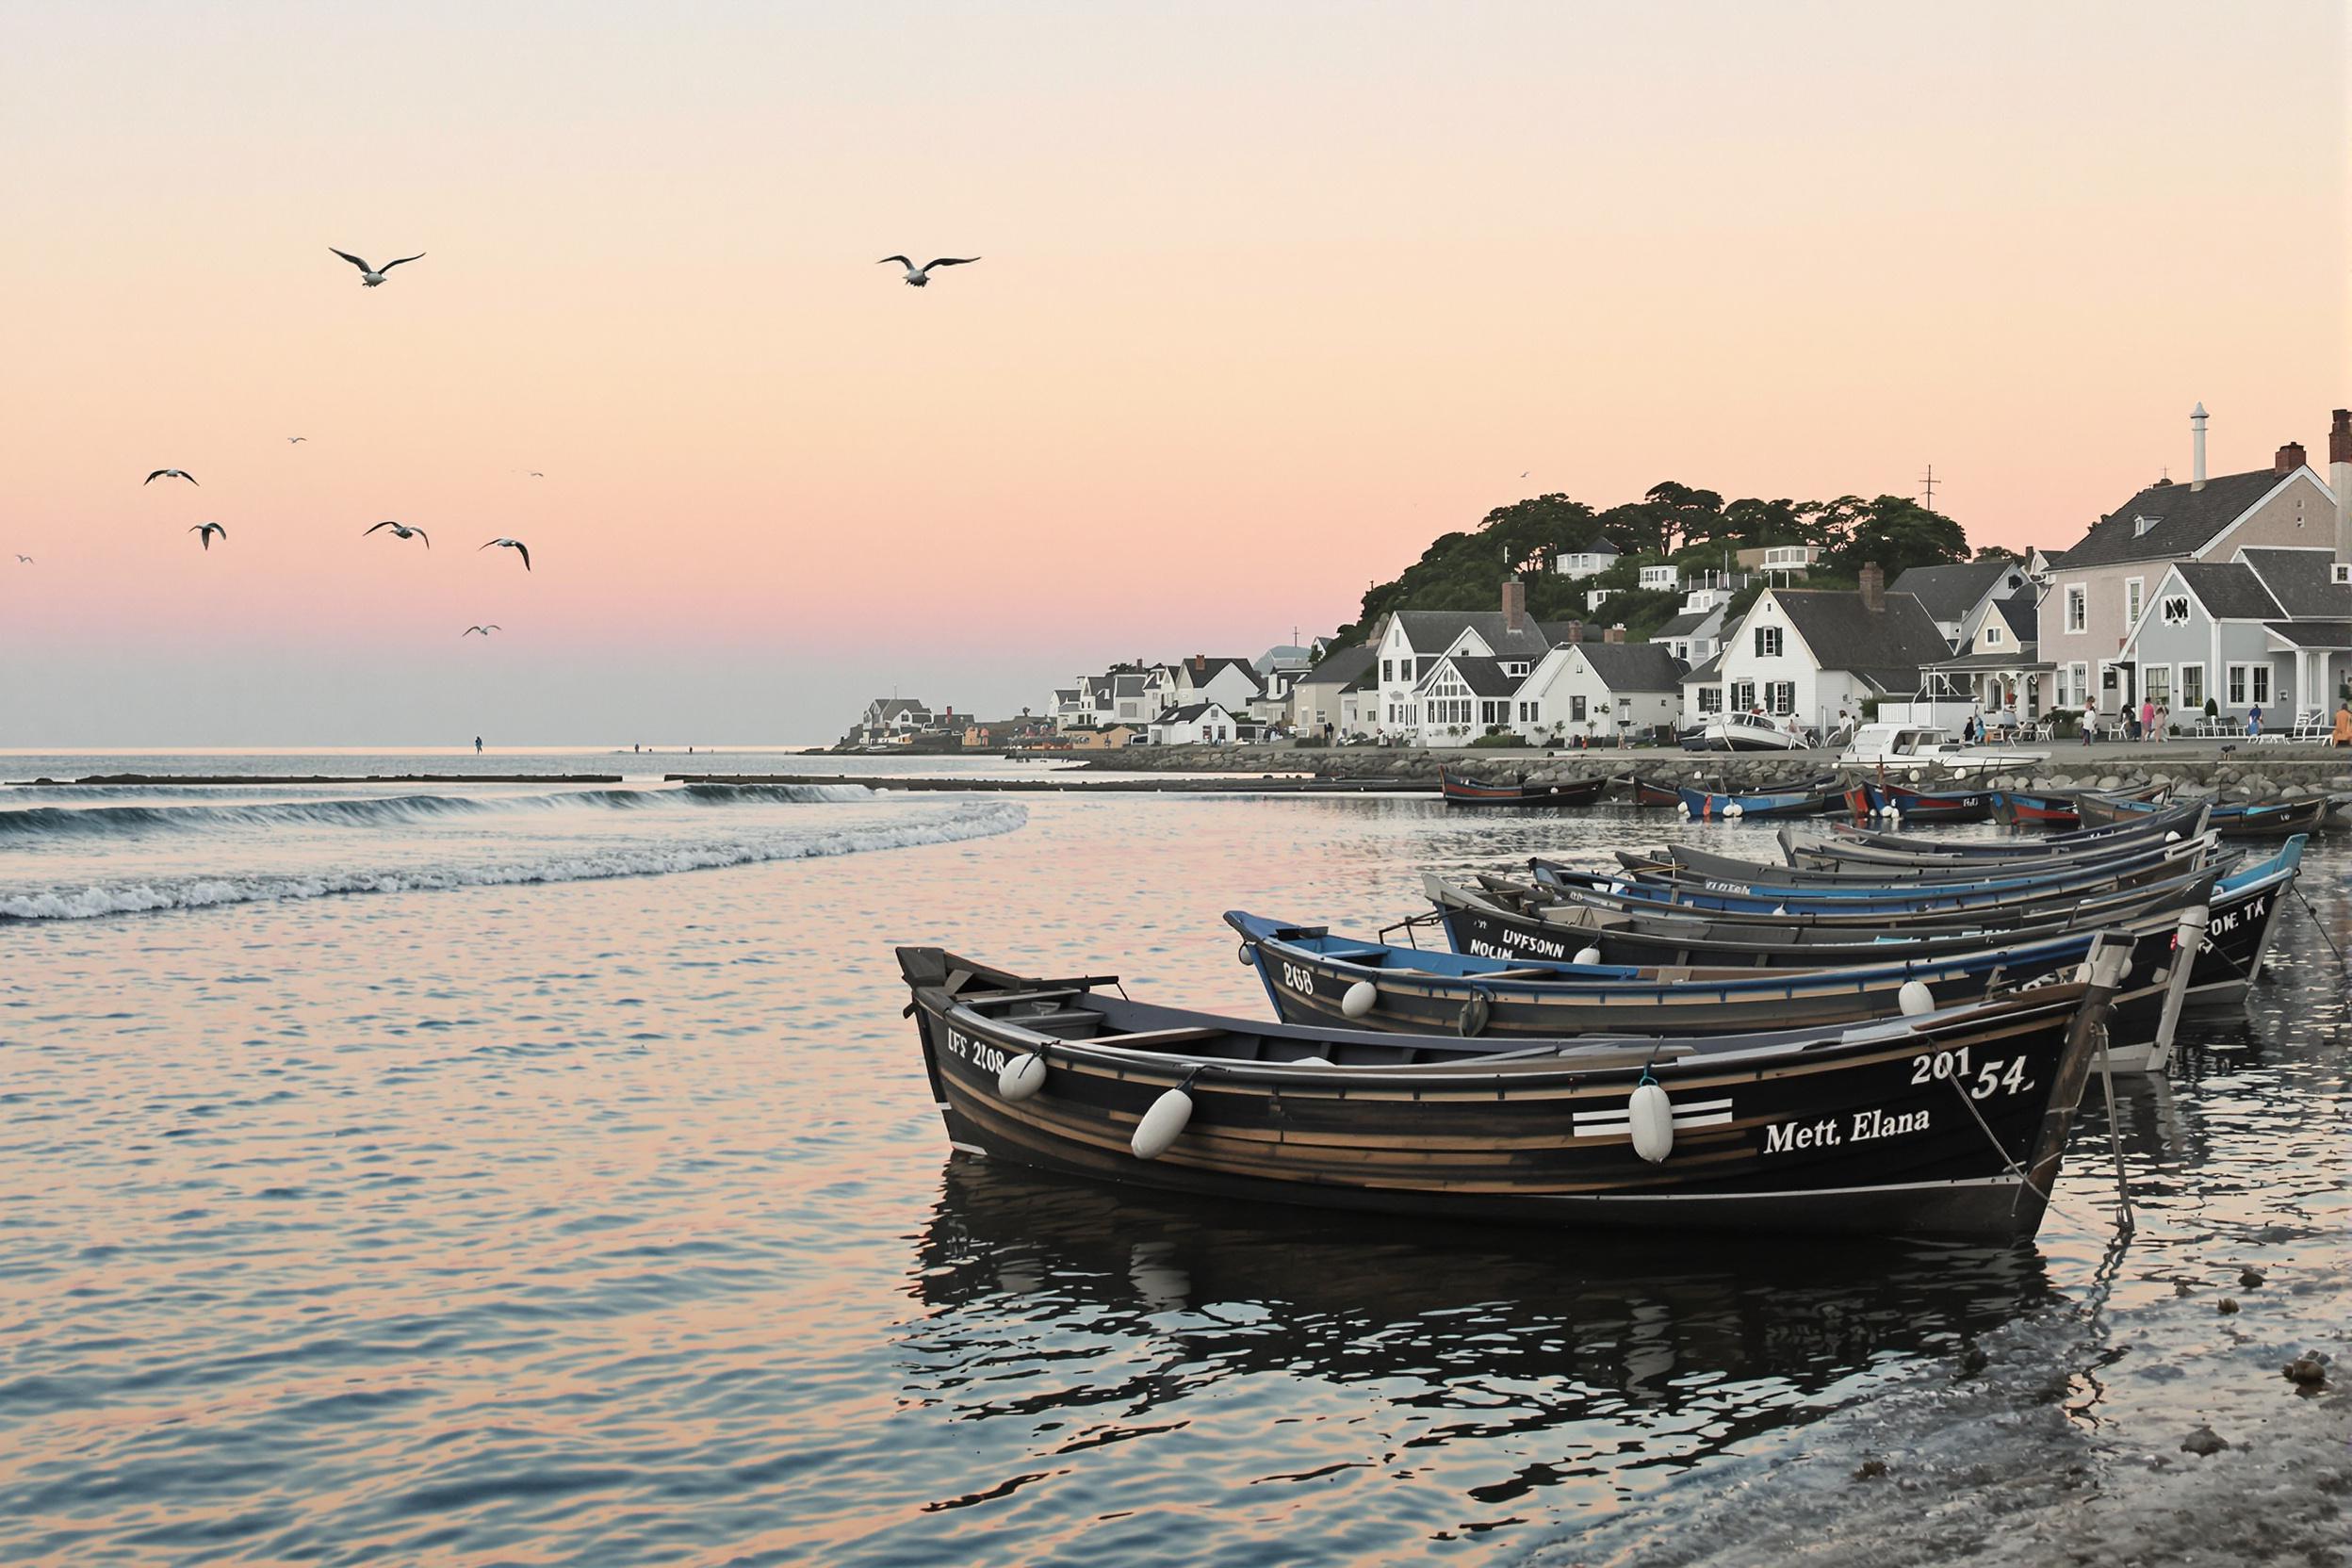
{"points": [[1575, 632], [1514, 605], [1873, 587], [1614, 634], [2290, 458]]}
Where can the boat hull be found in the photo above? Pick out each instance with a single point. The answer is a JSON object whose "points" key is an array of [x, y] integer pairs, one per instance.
{"points": [[1458, 790]]}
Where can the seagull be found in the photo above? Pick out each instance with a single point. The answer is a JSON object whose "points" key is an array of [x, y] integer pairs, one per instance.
{"points": [[515, 545], [26, 560], [169, 473], [369, 276], [399, 531], [291, 439], [204, 532], [485, 630], [536, 474], [919, 277]]}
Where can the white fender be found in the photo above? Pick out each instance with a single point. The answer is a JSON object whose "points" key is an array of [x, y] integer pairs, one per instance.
{"points": [[1021, 1078], [1652, 1117], [1357, 1000], [1916, 998], [1160, 1124], [1735, 811], [1588, 956], [1682, 807]]}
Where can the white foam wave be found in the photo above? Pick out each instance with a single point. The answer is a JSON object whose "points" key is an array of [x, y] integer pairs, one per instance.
{"points": [[980, 819]]}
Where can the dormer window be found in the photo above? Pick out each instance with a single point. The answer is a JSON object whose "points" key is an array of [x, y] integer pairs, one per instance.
{"points": [[2141, 525], [2174, 610]]}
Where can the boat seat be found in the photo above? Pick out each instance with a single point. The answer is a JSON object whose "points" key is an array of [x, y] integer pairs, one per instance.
{"points": [[1065, 1023]]}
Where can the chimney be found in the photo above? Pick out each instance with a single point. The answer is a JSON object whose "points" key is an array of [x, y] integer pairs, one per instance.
{"points": [[2197, 448], [1873, 587], [1614, 634], [2340, 480], [1514, 605], [1575, 632], [2290, 458]]}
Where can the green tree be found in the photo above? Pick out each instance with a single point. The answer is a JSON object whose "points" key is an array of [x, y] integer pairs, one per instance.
{"points": [[1996, 552], [1894, 530]]}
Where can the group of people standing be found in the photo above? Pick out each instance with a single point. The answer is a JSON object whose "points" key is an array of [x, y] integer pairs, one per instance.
{"points": [[2150, 721]]}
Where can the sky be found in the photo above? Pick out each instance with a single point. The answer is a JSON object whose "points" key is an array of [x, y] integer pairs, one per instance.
{"points": [[1271, 295]]}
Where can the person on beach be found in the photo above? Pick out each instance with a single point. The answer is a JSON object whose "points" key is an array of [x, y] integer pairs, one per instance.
{"points": [[2343, 720], [476, 745], [2254, 722], [2090, 719], [2147, 718]]}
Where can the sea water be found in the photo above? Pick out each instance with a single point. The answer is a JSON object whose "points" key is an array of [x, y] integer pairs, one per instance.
{"points": [[532, 1173]]}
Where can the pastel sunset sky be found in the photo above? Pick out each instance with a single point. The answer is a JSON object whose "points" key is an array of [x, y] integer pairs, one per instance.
{"points": [[1272, 294]]}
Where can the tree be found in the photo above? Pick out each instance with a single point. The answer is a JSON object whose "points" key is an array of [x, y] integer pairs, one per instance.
{"points": [[1996, 552], [1894, 530]]}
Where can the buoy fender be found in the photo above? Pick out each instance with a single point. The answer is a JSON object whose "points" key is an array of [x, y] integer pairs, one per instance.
{"points": [[1357, 1000], [1651, 1116], [1022, 1077], [1161, 1124]]}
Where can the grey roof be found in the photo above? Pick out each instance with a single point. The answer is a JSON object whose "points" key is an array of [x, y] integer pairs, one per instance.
{"points": [[1203, 668], [1433, 631], [1633, 667], [1951, 591], [2019, 617], [1189, 713], [1484, 677], [1340, 669], [2021, 660], [2186, 520], [2336, 636], [890, 708], [1127, 685], [2299, 580], [1681, 625], [1712, 670], [1884, 647], [1283, 656], [2230, 591]]}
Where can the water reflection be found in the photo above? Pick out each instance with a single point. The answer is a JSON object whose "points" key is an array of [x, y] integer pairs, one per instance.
{"points": [[1047, 1301]]}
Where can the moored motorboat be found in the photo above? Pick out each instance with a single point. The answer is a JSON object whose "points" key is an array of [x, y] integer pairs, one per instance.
{"points": [[1955, 1120], [1871, 798], [1709, 804]]}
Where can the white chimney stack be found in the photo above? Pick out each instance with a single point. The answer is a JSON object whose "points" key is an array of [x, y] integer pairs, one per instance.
{"points": [[2197, 448], [2340, 480]]}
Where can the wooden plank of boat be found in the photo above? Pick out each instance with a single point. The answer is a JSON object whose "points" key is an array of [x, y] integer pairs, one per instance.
{"points": [[1312, 976], [1955, 1121]]}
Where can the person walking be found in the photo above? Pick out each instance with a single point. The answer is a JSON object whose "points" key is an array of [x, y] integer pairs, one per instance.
{"points": [[476, 745], [2254, 722], [2147, 718], [2343, 720], [2090, 718], [2164, 719]]}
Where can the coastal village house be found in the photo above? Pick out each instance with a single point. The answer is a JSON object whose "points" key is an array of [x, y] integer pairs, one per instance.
{"points": [[893, 721], [1959, 598], [1817, 655], [1695, 634], [2269, 628], [1196, 723], [1318, 702], [1595, 559], [2001, 669], [2100, 590], [1597, 688]]}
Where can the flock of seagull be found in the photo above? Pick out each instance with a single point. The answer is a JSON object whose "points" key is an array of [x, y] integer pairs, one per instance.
{"points": [[371, 276]]}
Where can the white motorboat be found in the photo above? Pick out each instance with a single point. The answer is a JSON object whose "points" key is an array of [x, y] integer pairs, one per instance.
{"points": [[1917, 748]]}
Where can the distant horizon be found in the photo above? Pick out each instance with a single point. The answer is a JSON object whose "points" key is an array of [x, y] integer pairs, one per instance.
{"points": [[1315, 285]]}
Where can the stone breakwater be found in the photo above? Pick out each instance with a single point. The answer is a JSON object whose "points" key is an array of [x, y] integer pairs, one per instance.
{"points": [[2267, 774]]}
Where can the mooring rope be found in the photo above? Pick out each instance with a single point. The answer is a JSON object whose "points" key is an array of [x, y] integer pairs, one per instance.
{"points": [[2321, 927]]}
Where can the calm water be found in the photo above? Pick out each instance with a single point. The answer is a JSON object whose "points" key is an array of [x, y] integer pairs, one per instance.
{"points": [[504, 1174]]}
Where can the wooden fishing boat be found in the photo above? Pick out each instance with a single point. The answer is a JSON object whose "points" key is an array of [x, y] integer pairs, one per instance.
{"points": [[1951, 1121], [1822, 863], [1496, 919], [2053, 807], [2020, 900], [1459, 790], [1714, 806], [1646, 791], [1313, 977], [1871, 798], [2260, 819], [1845, 849], [1764, 878]]}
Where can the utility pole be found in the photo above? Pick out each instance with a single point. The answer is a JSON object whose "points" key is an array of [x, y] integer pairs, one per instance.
{"points": [[1930, 482]]}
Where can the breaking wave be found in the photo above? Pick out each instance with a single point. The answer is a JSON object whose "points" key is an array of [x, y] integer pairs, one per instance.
{"points": [[979, 819], [46, 822]]}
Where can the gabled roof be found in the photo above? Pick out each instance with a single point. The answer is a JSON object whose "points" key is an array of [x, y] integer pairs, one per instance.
{"points": [[1484, 675], [2300, 582], [1339, 668], [1884, 647], [2186, 520], [1949, 592], [2230, 591], [1432, 632], [2019, 617], [1633, 667], [1682, 625], [1712, 670], [1604, 545], [1201, 670], [890, 708]]}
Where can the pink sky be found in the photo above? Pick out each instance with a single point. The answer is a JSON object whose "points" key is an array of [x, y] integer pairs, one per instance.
{"points": [[1271, 296]]}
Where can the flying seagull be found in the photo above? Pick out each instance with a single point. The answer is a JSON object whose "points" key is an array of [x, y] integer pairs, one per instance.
{"points": [[25, 558], [399, 531], [919, 277], [536, 474], [291, 439], [485, 630], [204, 532], [369, 276], [169, 473], [515, 545]]}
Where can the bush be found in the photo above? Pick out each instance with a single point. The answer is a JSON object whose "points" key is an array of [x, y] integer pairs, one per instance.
{"points": [[1316, 741], [1498, 738]]}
